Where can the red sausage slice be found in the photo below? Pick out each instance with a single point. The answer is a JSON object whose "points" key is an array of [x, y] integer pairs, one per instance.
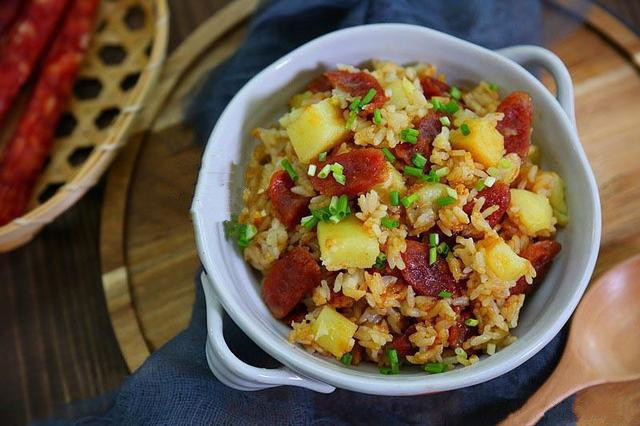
{"points": [[358, 84], [516, 124], [426, 280], [429, 127], [363, 169], [402, 344], [497, 195], [433, 87], [320, 84], [540, 254], [460, 332], [290, 279], [289, 207]]}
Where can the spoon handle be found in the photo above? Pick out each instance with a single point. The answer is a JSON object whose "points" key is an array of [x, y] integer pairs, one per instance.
{"points": [[568, 378]]}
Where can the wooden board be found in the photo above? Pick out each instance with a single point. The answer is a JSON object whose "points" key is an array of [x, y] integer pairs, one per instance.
{"points": [[149, 257]]}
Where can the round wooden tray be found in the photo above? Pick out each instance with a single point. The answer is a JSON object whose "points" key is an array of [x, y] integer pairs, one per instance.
{"points": [[148, 251]]}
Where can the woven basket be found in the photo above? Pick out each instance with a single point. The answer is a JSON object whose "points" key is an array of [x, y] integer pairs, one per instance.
{"points": [[123, 62]]}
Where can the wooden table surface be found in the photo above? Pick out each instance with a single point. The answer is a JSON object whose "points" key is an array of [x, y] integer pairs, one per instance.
{"points": [[55, 330]]}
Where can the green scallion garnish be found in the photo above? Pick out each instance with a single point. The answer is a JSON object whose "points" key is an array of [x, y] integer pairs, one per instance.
{"points": [[341, 179], [377, 116], [451, 192], [394, 197], [368, 97], [230, 226], [388, 155], [455, 92], [410, 136], [392, 356], [311, 171], [322, 156], [309, 221], [324, 172], [409, 199], [419, 160], [351, 120], [434, 239], [337, 168], [333, 204], [471, 322], [343, 206], [346, 358], [433, 255], [445, 201], [381, 261], [504, 163], [465, 129], [490, 181], [286, 165], [451, 107], [444, 294], [443, 248], [461, 352], [387, 222], [493, 87], [245, 234], [437, 105], [412, 171], [355, 105], [479, 185], [445, 121], [435, 367], [442, 172], [386, 371], [432, 176]]}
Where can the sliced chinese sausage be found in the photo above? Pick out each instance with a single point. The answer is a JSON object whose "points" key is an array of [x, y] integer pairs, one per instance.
{"points": [[497, 195], [402, 344], [425, 279], [289, 207], [358, 84], [429, 127], [433, 87], [460, 332], [540, 254], [339, 300], [320, 84], [363, 169], [515, 127], [290, 279]]}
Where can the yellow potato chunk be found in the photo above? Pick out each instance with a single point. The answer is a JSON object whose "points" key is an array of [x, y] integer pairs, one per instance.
{"points": [[533, 211], [333, 332], [315, 129], [347, 245], [402, 92], [393, 182], [502, 260], [484, 141], [429, 192], [557, 200]]}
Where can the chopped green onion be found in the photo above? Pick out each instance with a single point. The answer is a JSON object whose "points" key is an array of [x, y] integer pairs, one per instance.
{"points": [[343, 206], [410, 136], [333, 204], [444, 294], [337, 168], [412, 171], [341, 179], [451, 192], [471, 322], [479, 185], [289, 168], [312, 170], [493, 171], [246, 233], [389, 223], [445, 121], [377, 116], [491, 348], [351, 120], [455, 92], [392, 356], [419, 160], [435, 367], [322, 156], [434, 239], [465, 129], [489, 181], [334, 218], [309, 221], [368, 97], [322, 214], [437, 105], [386, 371], [409, 199], [493, 87], [394, 197], [230, 226], [381, 260], [433, 255], [442, 172], [355, 105], [461, 352], [388, 155], [432, 176], [451, 107], [443, 248], [346, 358], [324, 172], [504, 163], [445, 201]]}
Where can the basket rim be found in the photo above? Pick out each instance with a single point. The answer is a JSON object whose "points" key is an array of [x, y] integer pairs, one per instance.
{"points": [[23, 228]]}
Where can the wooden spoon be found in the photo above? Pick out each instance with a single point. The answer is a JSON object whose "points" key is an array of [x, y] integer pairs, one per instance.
{"points": [[603, 344]]}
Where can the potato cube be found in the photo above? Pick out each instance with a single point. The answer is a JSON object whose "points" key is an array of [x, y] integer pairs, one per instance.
{"points": [[347, 244], [429, 192], [533, 211], [502, 260], [557, 200], [483, 141], [394, 182], [402, 92], [316, 128], [333, 332]]}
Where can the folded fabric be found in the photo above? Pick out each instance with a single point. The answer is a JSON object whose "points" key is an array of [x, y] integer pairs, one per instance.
{"points": [[175, 385]]}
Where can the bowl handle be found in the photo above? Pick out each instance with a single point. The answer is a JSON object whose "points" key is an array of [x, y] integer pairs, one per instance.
{"points": [[233, 372], [536, 55]]}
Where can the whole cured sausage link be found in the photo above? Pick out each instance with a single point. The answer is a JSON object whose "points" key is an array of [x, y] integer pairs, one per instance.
{"points": [[8, 11], [30, 144], [24, 44]]}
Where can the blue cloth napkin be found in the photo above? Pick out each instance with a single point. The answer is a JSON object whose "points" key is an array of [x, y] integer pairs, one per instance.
{"points": [[175, 385]]}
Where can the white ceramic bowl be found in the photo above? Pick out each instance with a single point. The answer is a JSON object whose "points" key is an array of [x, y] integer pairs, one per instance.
{"points": [[218, 194]]}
